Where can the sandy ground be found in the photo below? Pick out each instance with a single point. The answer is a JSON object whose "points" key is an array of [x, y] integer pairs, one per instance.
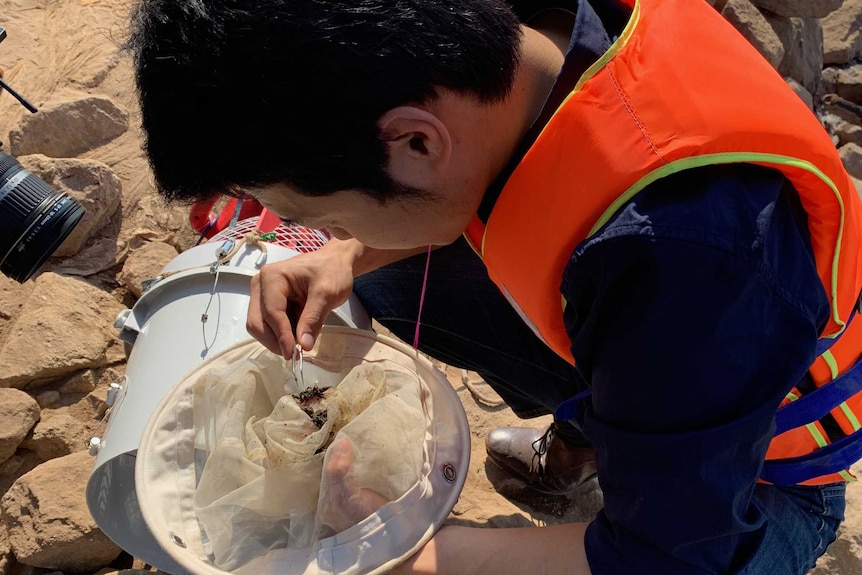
{"points": [[60, 49]]}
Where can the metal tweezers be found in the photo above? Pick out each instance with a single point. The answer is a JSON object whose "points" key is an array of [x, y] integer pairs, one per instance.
{"points": [[294, 364]]}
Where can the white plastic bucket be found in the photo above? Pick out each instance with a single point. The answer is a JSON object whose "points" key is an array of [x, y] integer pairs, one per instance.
{"points": [[169, 339]]}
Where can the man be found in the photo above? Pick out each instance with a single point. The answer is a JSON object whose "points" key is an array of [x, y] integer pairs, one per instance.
{"points": [[638, 160]]}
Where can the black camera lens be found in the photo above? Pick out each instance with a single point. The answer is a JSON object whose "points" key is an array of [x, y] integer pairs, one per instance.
{"points": [[34, 220]]}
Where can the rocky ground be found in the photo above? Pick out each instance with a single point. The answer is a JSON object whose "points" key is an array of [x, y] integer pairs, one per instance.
{"points": [[59, 352]]}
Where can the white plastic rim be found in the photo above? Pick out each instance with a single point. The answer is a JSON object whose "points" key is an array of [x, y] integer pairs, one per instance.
{"points": [[165, 477]]}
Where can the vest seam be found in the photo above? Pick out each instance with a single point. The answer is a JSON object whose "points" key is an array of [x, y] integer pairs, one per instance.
{"points": [[630, 109]]}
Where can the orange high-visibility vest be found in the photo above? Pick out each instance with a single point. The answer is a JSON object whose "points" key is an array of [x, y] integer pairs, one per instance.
{"points": [[679, 89]]}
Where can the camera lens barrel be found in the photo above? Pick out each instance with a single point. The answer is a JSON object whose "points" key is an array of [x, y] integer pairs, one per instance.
{"points": [[34, 220]]}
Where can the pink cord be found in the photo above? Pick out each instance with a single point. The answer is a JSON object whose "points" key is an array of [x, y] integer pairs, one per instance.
{"points": [[422, 300]]}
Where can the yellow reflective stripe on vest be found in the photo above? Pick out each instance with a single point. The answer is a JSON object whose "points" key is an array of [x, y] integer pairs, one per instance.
{"points": [[851, 417], [472, 247], [736, 158], [812, 429], [845, 409], [613, 50], [830, 361]]}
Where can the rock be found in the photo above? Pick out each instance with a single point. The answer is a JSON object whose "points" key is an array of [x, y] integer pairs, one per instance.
{"points": [[756, 29], [95, 405], [21, 569], [829, 81], [802, 39], [12, 297], [56, 435], [24, 461], [98, 255], [801, 8], [65, 326], [6, 558], [846, 132], [145, 262], [838, 106], [140, 564], [93, 184], [801, 92], [46, 516], [48, 398], [67, 128], [18, 414], [157, 220], [842, 33], [81, 382], [846, 82], [851, 155]]}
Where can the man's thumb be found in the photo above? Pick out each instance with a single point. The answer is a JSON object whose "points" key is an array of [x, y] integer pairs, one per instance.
{"points": [[339, 458]]}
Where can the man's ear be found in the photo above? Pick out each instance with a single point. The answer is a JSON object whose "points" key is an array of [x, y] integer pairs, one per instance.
{"points": [[419, 143]]}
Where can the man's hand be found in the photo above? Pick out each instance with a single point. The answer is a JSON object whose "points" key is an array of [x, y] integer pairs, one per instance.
{"points": [[455, 550], [299, 292], [345, 504]]}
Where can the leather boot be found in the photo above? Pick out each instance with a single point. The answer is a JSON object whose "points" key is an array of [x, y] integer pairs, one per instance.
{"points": [[540, 459]]}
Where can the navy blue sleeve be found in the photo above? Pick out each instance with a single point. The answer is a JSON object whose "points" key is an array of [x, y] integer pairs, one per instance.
{"points": [[692, 313]]}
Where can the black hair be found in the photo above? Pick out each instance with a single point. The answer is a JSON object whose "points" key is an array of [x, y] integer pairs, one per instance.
{"points": [[260, 92]]}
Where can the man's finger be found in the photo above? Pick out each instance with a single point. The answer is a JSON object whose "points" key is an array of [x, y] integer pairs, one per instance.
{"points": [[339, 459], [274, 310], [316, 308], [267, 337], [254, 323], [268, 319]]}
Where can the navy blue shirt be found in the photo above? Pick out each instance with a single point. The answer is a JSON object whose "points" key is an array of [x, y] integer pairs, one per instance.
{"points": [[692, 313]]}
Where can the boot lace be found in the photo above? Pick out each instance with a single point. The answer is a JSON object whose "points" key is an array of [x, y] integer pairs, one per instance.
{"points": [[540, 448]]}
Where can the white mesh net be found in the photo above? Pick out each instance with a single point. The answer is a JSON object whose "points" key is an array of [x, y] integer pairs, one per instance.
{"points": [[262, 441], [228, 471]]}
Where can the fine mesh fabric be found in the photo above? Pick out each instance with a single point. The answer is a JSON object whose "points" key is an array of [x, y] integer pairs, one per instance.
{"points": [[173, 454], [262, 441]]}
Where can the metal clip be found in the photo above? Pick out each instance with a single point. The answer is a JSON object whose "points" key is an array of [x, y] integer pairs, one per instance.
{"points": [[150, 282], [225, 248], [113, 391]]}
